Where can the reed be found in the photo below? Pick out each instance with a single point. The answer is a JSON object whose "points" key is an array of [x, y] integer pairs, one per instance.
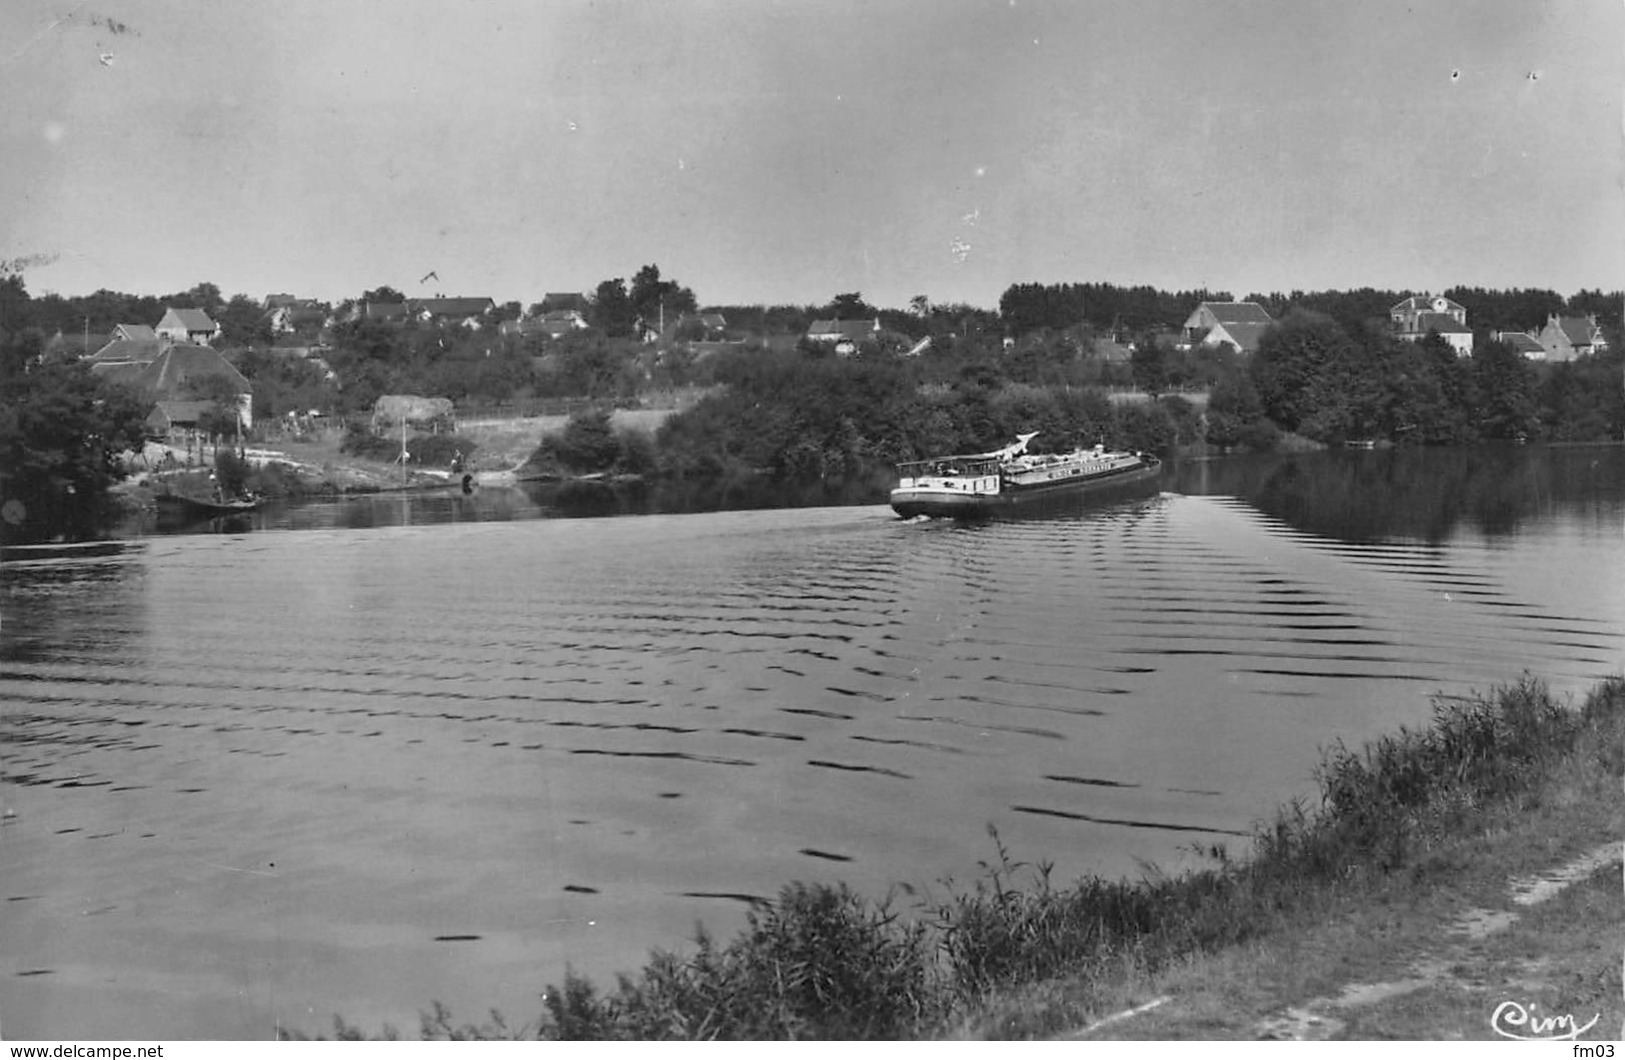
{"points": [[823, 962]]}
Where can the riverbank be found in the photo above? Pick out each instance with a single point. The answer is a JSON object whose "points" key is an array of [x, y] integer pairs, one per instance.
{"points": [[316, 465], [1409, 903]]}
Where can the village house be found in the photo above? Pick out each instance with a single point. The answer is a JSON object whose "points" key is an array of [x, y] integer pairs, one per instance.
{"points": [[564, 300], [187, 325], [125, 351], [715, 325], [382, 312], [169, 375], [568, 319], [177, 372], [1212, 325], [843, 335], [286, 314], [174, 420], [1419, 316], [1238, 324], [1566, 337], [465, 312], [133, 332], [1522, 343]]}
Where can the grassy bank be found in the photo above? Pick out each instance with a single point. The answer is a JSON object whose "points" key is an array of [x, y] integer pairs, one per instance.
{"points": [[1016, 955]]}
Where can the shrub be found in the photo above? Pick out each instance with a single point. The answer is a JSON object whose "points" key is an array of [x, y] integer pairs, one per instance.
{"points": [[588, 443], [231, 471], [440, 450], [823, 962], [360, 441]]}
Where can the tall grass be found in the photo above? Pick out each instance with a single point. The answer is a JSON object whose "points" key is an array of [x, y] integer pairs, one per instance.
{"points": [[822, 962]]}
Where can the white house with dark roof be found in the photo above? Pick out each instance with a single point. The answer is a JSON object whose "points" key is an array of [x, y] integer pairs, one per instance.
{"points": [[1406, 316], [1419, 316], [465, 312], [187, 325], [1565, 338], [844, 335], [1240, 324]]}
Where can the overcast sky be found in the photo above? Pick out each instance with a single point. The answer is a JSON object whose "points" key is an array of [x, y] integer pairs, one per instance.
{"points": [[788, 151]]}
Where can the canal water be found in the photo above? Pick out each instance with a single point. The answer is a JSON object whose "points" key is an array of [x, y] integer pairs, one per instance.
{"points": [[357, 757]]}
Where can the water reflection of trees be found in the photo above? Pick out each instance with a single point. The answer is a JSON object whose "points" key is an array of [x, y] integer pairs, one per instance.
{"points": [[585, 499], [47, 596], [1425, 494]]}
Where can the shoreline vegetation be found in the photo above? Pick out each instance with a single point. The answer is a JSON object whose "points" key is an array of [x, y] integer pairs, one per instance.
{"points": [[1399, 822], [772, 396]]}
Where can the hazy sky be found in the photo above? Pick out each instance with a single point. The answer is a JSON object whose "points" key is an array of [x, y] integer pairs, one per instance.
{"points": [[787, 151]]}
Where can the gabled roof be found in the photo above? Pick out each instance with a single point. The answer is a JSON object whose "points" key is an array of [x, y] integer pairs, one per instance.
{"points": [[135, 332], [126, 351], [564, 300], [181, 363], [384, 310], [453, 307], [1421, 303], [1521, 342], [841, 329], [1581, 331], [190, 319], [279, 301], [123, 373], [165, 413], [1443, 323], [1238, 313], [1244, 335]]}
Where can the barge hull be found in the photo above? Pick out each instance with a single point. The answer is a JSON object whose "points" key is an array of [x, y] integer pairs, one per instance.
{"points": [[938, 503]]}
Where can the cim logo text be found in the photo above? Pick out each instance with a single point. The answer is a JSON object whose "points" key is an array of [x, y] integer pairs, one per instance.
{"points": [[1512, 1020]]}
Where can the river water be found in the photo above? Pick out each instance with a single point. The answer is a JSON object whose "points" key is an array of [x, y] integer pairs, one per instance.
{"points": [[367, 755]]}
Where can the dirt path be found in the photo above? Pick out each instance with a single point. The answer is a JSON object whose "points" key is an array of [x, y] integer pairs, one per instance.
{"points": [[1513, 930], [1478, 955]]}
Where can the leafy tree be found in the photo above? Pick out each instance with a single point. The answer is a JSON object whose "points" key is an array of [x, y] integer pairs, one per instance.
{"points": [[588, 443], [1149, 364], [650, 296], [612, 310], [1505, 385], [589, 365], [382, 294], [16, 308], [1233, 406], [849, 306], [204, 296], [60, 433], [1289, 359], [243, 323]]}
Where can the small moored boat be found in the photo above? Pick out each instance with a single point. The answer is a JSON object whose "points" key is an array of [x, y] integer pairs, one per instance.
{"points": [[977, 483], [181, 502]]}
